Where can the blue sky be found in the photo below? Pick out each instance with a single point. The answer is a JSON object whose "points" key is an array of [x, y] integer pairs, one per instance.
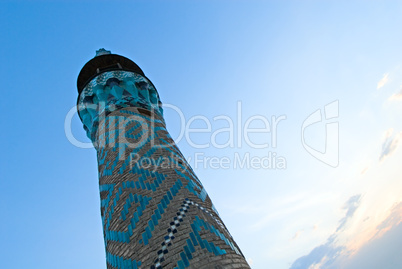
{"points": [[208, 59]]}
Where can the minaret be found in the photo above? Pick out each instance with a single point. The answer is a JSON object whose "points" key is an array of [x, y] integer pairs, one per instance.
{"points": [[155, 212]]}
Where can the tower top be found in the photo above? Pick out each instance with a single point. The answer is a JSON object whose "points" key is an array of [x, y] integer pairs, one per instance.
{"points": [[102, 51], [105, 61]]}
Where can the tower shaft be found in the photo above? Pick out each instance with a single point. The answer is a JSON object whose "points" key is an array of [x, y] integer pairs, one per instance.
{"points": [[155, 212]]}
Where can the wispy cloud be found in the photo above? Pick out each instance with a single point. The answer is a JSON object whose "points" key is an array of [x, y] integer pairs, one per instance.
{"points": [[390, 143], [394, 219], [379, 251], [396, 96], [326, 253], [297, 234], [382, 250], [383, 81], [364, 170], [351, 205]]}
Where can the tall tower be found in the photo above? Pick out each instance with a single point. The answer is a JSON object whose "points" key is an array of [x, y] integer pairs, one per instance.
{"points": [[155, 212]]}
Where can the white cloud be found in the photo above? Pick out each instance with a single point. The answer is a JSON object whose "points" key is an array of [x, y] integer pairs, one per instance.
{"points": [[383, 81]]}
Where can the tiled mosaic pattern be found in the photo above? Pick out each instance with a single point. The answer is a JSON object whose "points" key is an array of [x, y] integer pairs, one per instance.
{"points": [[155, 212], [111, 91]]}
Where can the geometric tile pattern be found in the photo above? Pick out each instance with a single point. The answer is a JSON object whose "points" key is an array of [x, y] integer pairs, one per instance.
{"points": [[155, 211]]}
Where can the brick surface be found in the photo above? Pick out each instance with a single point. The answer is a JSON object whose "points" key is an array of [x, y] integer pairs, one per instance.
{"points": [[155, 212]]}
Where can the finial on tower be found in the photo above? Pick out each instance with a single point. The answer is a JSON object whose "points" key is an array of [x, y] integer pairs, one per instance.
{"points": [[102, 51]]}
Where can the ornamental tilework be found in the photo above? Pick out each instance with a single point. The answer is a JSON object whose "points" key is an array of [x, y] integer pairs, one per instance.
{"points": [[155, 211]]}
